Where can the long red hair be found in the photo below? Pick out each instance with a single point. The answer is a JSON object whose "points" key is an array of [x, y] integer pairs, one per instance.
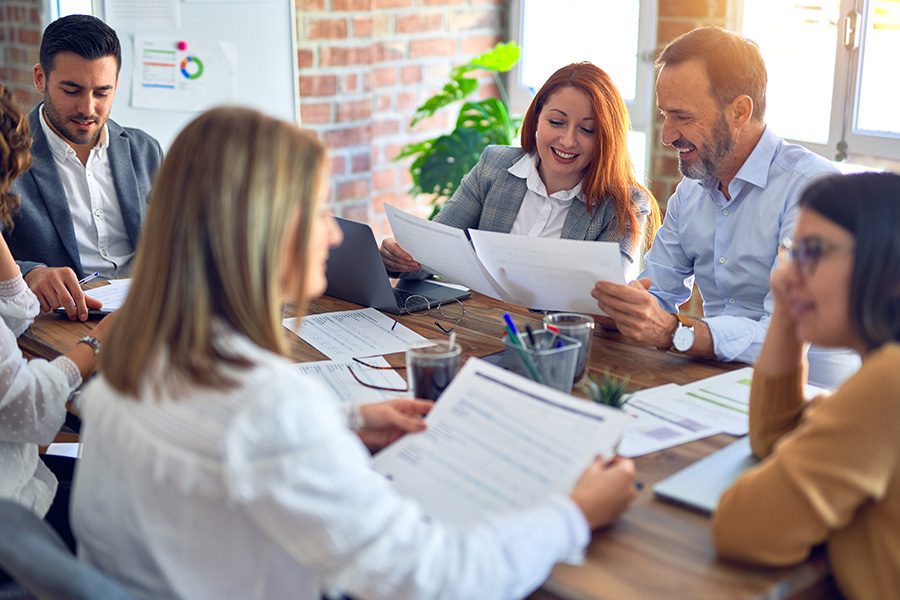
{"points": [[610, 172]]}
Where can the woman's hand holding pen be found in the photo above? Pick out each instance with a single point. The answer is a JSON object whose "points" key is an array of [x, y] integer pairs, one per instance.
{"points": [[604, 490], [397, 259]]}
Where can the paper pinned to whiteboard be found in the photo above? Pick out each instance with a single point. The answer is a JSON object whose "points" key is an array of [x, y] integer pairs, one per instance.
{"points": [[194, 79], [163, 15]]}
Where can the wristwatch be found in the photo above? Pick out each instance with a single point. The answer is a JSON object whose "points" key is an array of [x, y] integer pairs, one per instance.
{"points": [[683, 337], [91, 341]]}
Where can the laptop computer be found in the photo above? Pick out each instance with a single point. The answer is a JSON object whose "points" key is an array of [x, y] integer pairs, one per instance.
{"points": [[700, 485], [357, 274]]}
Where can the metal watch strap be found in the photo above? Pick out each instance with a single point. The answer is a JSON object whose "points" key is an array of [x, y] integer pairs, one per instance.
{"points": [[91, 341]]}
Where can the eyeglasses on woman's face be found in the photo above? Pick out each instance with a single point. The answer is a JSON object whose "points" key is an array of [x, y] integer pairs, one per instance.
{"points": [[806, 252]]}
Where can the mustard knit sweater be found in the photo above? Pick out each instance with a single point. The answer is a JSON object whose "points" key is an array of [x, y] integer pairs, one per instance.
{"points": [[831, 475]]}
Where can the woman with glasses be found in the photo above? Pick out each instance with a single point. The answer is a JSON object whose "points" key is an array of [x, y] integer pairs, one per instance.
{"points": [[572, 178], [831, 467], [212, 468]]}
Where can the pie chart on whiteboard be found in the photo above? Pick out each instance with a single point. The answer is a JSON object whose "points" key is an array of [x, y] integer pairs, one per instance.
{"points": [[191, 67]]}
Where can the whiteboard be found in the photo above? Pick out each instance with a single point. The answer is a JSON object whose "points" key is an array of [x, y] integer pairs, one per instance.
{"points": [[264, 35]]}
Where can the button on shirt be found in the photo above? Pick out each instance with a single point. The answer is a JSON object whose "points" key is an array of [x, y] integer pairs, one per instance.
{"points": [[731, 247], [103, 242], [541, 214]]}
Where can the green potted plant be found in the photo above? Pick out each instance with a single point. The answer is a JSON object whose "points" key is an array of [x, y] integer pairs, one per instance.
{"points": [[441, 162], [609, 391]]}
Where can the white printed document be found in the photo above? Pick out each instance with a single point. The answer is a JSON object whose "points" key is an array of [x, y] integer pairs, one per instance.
{"points": [[346, 334], [724, 399], [552, 274], [655, 425], [496, 442], [543, 273], [112, 296], [337, 375], [443, 250]]}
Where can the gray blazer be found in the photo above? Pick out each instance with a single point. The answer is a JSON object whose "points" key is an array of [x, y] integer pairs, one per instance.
{"points": [[43, 233], [489, 198]]}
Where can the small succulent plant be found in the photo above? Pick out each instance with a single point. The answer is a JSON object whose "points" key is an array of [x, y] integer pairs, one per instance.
{"points": [[609, 391]]}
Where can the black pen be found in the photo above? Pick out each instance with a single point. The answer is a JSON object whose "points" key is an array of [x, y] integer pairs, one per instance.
{"points": [[530, 333]]}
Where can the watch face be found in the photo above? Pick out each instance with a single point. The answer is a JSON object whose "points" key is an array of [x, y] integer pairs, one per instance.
{"points": [[683, 339]]}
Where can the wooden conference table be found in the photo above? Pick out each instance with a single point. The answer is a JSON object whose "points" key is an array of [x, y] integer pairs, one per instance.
{"points": [[657, 550]]}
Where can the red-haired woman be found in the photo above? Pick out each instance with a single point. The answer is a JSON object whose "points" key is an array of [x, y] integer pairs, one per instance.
{"points": [[572, 178]]}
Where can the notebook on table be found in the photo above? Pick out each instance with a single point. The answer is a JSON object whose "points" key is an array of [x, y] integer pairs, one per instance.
{"points": [[700, 485], [357, 274]]}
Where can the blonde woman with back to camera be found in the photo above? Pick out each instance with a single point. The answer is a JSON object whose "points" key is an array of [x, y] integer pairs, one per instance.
{"points": [[213, 469]]}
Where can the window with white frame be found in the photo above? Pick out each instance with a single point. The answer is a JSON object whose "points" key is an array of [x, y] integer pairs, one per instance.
{"points": [[63, 8], [832, 68], [616, 35]]}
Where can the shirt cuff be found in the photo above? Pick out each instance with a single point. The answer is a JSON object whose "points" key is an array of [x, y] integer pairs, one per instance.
{"points": [[736, 338], [354, 417], [577, 526], [70, 370], [12, 287]]}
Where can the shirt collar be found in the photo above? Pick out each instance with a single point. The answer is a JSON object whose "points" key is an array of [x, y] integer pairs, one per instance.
{"points": [[755, 169], [526, 168], [60, 148]]}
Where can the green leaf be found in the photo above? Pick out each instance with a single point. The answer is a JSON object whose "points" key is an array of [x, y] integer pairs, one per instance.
{"points": [[451, 157], [455, 89], [413, 149], [491, 118], [500, 58]]}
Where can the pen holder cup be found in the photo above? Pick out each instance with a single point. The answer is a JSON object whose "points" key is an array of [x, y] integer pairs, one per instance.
{"points": [[555, 366], [579, 327]]}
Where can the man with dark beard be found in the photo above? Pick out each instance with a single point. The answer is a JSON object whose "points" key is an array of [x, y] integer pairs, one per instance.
{"points": [[727, 217], [84, 198]]}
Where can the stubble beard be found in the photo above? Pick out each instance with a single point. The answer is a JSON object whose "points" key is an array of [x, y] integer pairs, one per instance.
{"points": [[59, 125], [709, 158]]}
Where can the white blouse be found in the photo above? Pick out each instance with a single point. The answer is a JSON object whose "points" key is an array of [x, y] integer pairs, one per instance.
{"points": [[262, 491], [541, 214], [33, 398]]}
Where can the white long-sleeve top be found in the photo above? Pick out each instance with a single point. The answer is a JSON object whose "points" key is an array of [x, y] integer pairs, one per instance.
{"points": [[33, 398], [263, 491]]}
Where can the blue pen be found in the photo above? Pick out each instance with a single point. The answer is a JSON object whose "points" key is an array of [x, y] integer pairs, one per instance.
{"points": [[516, 342], [512, 324], [88, 278]]}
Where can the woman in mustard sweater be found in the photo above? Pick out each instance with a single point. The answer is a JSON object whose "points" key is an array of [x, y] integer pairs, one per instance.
{"points": [[831, 468]]}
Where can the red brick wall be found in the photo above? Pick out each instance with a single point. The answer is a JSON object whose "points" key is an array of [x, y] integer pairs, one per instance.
{"points": [[365, 65], [20, 38], [674, 18]]}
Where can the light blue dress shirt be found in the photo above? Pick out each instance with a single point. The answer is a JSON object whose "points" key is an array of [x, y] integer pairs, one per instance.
{"points": [[731, 247]]}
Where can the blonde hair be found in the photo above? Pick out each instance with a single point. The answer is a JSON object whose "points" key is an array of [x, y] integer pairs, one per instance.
{"points": [[211, 249], [15, 158]]}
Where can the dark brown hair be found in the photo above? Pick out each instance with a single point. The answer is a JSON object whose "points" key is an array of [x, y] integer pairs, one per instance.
{"points": [[867, 205], [734, 64], [15, 158]]}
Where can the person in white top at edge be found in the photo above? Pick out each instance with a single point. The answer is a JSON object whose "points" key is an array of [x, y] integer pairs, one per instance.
{"points": [[212, 468], [33, 394]]}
